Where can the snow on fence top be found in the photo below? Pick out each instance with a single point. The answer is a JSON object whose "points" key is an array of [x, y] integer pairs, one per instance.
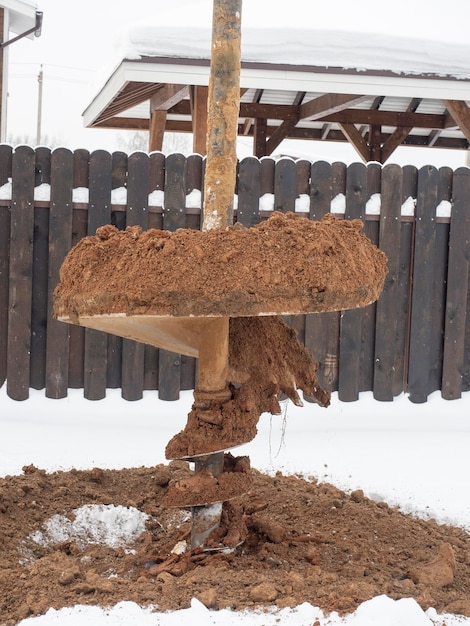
{"points": [[42, 193]]}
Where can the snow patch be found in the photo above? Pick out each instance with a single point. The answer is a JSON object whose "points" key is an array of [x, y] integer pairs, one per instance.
{"points": [[114, 526]]}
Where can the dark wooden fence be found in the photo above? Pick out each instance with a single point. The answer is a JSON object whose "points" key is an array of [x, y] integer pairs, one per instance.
{"points": [[416, 338]]}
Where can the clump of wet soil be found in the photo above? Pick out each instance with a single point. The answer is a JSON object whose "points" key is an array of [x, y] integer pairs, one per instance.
{"points": [[266, 361], [287, 264], [305, 542]]}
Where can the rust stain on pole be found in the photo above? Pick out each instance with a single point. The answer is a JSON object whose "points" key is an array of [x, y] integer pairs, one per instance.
{"points": [[223, 108]]}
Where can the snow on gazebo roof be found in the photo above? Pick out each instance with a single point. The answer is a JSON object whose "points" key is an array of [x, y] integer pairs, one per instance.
{"points": [[306, 46], [334, 82]]}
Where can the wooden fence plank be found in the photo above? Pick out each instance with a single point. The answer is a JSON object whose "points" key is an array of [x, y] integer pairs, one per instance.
{"points": [[81, 161], [169, 372], [371, 230], [350, 346], [321, 189], [119, 169], [338, 178], [249, 191], [133, 353], [155, 220], [466, 361], [332, 321], [302, 169], [99, 214], [157, 171], [175, 192], [6, 153], [60, 240], [117, 219], [388, 303], [441, 253], [43, 166], [194, 180], [21, 273], [81, 168], [267, 175], [423, 279], [40, 280], [285, 185], [457, 315], [193, 173], [321, 329], [302, 190], [409, 194], [5, 174]]}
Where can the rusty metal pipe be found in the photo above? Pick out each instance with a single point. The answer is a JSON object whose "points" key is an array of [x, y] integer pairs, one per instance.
{"points": [[222, 119], [219, 187]]}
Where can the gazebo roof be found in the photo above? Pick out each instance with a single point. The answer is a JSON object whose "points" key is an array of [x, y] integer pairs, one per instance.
{"points": [[376, 93]]}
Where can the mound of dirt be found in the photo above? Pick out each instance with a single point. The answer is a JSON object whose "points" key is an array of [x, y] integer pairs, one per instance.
{"points": [[305, 542], [288, 264]]}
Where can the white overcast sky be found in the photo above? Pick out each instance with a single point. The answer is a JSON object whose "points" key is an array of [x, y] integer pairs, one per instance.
{"points": [[78, 40]]}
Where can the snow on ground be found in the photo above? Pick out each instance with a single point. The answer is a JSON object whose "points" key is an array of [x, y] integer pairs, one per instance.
{"points": [[411, 455]]}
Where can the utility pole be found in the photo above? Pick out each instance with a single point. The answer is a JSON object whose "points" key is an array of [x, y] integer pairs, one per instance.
{"points": [[39, 121]]}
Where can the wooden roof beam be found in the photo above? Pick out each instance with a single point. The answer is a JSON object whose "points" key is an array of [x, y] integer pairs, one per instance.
{"points": [[328, 104], [460, 112], [325, 131], [183, 126], [199, 95], [372, 150], [356, 140], [249, 109], [299, 98], [282, 132], [251, 120], [131, 95], [387, 118], [167, 96], [413, 105], [433, 137], [394, 140], [376, 104]]}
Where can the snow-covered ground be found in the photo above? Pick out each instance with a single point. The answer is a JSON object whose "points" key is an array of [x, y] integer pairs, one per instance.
{"points": [[413, 456]]}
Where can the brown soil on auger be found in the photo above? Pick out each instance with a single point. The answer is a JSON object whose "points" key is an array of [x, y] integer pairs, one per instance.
{"points": [[266, 359], [287, 264]]}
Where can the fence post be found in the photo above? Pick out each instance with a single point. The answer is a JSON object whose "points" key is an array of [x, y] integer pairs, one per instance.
{"points": [[169, 372], [133, 353], [40, 272], [350, 343], [387, 305], [99, 213], [249, 189], [285, 185], [21, 273], [60, 241], [5, 174], [457, 314], [409, 194], [423, 283]]}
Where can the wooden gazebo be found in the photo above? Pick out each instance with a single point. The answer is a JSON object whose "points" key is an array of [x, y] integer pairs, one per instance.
{"points": [[375, 110]]}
